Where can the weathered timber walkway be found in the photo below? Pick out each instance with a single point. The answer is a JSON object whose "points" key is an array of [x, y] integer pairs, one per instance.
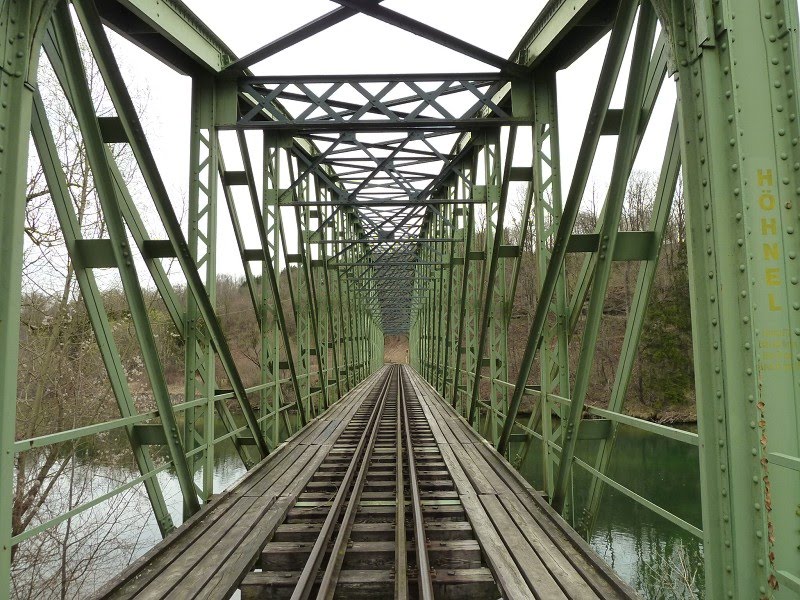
{"points": [[320, 517]]}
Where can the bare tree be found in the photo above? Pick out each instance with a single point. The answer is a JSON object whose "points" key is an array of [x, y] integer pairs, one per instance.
{"points": [[61, 379]]}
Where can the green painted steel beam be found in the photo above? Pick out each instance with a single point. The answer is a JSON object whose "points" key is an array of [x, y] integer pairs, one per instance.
{"points": [[115, 84], [22, 27], [667, 183], [170, 27], [62, 42], [200, 358], [737, 71], [70, 228], [550, 32], [631, 115], [272, 275], [738, 146], [600, 104]]}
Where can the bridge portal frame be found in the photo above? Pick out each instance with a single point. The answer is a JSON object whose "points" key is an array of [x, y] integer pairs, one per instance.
{"points": [[731, 59]]}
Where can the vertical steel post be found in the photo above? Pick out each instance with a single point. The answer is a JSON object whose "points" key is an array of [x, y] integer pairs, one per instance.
{"points": [[500, 310], [455, 214], [333, 333], [271, 396], [202, 231], [737, 74], [303, 307], [337, 313], [472, 314], [22, 25], [345, 306], [454, 285], [438, 255], [547, 209], [462, 348], [311, 320], [492, 287]]}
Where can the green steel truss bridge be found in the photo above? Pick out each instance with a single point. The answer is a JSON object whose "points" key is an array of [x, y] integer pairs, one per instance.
{"points": [[387, 177]]}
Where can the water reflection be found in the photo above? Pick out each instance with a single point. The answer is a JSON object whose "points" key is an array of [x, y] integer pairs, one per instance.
{"points": [[658, 558]]}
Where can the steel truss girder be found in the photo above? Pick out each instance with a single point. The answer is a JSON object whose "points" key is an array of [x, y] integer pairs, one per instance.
{"points": [[750, 544], [667, 183], [600, 104], [129, 120], [74, 82], [655, 79], [62, 202], [163, 285], [631, 116]]}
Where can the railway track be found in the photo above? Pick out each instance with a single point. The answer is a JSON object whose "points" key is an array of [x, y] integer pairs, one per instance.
{"points": [[380, 517], [388, 494]]}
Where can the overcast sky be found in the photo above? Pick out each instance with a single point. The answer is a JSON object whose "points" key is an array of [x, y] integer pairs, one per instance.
{"points": [[364, 45]]}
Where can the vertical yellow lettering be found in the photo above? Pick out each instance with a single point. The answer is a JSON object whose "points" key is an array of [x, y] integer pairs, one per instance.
{"points": [[769, 226], [765, 177], [772, 304], [771, 252], [766, 201], [773, 276]]}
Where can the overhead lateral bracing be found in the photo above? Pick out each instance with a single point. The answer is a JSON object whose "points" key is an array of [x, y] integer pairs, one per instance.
{"points": [[407, 102], [375, 204], [385, 145]]}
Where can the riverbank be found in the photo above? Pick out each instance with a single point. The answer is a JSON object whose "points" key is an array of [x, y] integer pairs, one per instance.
{"points": [[667, 415]]}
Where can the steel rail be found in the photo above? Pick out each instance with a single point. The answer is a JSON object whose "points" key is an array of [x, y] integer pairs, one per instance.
{"points": [[330, 578], [423, 563], [401, 553], [309, 574]]}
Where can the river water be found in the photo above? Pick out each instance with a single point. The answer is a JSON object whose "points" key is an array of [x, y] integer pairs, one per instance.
{"points": [[659, 559]]}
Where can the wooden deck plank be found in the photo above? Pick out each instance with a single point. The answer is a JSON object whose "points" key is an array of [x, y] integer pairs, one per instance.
{"points": [[575, 549], [481, 464], [295, 484], [245, 555], [288, 457], [276, 484], [530, 549], [481, 484], [207, 562], [539, 578], [462, 482], [553, 557], [495, 553], [512, 478], [169, 574]]}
